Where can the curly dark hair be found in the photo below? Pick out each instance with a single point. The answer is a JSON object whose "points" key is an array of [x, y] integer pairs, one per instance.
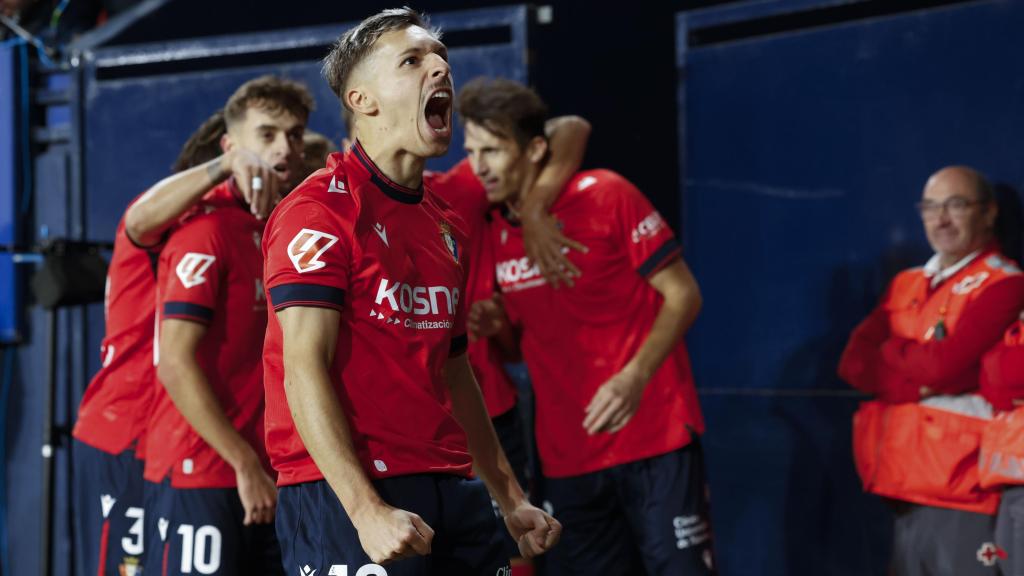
{"points": [[203, 145]]}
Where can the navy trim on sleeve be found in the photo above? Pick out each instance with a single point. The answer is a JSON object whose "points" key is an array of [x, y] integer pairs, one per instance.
{"points": [[459, 346], [153, 248], [314, 295], [188, 311], [655, 261]]}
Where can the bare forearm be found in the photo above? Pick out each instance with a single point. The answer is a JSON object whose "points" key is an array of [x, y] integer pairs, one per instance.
{"points": [[567, 138], [190, 391], [324, 430], [678, 312], [489, 460], [149, 217]]}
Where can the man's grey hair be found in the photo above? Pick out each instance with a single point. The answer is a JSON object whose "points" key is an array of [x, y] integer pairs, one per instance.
{"points": [[355, 44]]}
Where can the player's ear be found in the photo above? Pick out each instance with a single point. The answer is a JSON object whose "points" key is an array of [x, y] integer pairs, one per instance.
{"points": [[536, 149], [226, 143], [361, 101]]}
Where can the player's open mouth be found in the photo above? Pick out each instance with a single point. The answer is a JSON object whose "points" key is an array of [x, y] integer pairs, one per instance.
{"points": [[282, 171], [438, 111]]}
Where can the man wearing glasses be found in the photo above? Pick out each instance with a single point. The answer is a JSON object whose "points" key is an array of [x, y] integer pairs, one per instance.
{"points": [[918, 353]]}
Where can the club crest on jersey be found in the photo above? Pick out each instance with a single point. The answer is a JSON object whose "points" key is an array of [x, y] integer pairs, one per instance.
{"points": [[306, 248], [192, 268], [449, 240], [130, 567]]}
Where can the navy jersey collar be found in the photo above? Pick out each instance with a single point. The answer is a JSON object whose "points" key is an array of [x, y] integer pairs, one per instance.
{"points": [[392, 189]]}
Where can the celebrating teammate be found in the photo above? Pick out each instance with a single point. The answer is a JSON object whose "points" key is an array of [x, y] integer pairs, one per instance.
{"points": [[109, 445], [209, 494], [617, 412], [374, 419]]}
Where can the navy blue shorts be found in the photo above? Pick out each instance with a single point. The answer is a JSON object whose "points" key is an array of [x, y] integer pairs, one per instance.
{"points": [[199, 531], [109, 517], [317, 536], [509, 428], [645, 517]]}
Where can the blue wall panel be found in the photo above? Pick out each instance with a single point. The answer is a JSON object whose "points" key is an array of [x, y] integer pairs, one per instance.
{"points": [[11, 132], [804, 154]]}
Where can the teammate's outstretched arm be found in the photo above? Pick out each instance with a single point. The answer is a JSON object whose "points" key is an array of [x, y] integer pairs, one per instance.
{"points": [[310, 336], [618, 399], [190, 391], [534, 529], [151, 215], [567, 142]]}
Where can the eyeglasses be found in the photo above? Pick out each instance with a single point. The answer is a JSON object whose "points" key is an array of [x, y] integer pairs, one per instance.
{"points": [[956, 206]]}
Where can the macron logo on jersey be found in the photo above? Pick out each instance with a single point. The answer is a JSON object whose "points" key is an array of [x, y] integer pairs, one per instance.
{"points": [[418, 300], [107, 504], [336, 187], [306, 248], [192, 268], [379, 229]]}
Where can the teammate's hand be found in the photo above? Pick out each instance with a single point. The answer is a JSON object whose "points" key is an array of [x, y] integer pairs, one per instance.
{"points": [[258, 493], [259, 183], [486, 318], [615, 402], [534, 529], [388, 534], [547, 247]]}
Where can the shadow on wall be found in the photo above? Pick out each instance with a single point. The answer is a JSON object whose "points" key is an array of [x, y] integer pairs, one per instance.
{"points": [[1008, 224]]}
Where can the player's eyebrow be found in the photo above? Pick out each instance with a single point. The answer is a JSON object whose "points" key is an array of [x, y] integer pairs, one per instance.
{"points": [[435, 46], [266, 127]]}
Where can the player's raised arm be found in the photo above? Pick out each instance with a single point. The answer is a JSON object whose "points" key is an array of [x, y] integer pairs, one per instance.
{"points": [[191, 393], [535, 530], [310, 336], [543, 240], [152, 214]]}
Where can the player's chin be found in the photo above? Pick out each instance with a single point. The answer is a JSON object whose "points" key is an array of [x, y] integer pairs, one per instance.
{"points": [[435, 141]]}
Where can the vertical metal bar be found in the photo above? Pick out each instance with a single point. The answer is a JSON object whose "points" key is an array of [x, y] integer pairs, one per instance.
{"points": [[46, 545]]}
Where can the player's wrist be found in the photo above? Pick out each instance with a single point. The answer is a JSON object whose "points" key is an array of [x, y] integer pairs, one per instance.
{"points": [[513, 499], [532, 211], [636, 372], [366, 510], [244, 460], [219, 168]]}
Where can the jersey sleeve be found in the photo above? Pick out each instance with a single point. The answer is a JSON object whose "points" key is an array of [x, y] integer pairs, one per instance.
{"points": [[307, 256], [193, 265], [648, 239]]}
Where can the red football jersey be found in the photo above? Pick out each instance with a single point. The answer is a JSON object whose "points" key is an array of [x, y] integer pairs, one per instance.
{"points": [[115, 406], [391, 260], [211, 272], [575, 339], [463, 191]]}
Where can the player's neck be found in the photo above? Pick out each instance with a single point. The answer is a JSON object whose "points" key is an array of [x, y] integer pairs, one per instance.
{"points": [[515, 204], [399, 165]]}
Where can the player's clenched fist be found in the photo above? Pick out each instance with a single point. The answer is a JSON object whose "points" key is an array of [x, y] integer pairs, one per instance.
{"points": [[535, 530], [388, 534], [486, 318]]}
